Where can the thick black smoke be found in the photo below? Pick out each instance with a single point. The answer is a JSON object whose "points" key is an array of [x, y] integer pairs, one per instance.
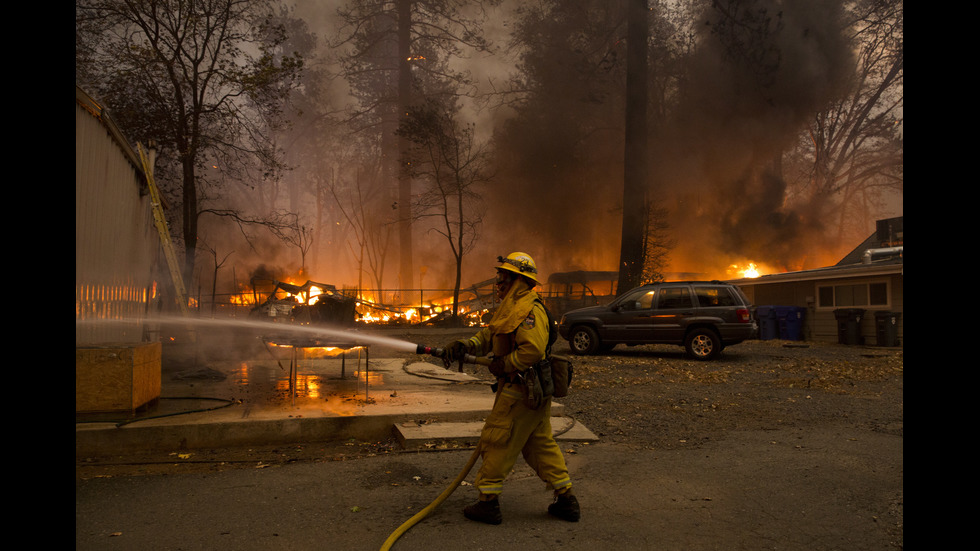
{"points": [[763, 69]]}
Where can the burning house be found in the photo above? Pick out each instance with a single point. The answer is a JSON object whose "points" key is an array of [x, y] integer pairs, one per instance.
{"points": [[859, 300]]}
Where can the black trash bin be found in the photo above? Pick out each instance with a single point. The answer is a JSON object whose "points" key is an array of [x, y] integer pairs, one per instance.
{"points": [[886, 326], [849, 325]]}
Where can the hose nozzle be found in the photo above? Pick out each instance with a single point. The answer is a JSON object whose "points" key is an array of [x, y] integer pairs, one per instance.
{"points": [[422, 349]]}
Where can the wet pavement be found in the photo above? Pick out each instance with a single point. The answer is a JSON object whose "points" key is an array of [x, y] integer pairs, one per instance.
{"points": [[290, 395]]}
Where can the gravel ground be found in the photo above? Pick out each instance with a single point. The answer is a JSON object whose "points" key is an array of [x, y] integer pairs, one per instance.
{"points": [[654, 396]]}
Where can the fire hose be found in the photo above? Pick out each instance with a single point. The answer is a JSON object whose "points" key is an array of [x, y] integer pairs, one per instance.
{"points": [[459, 478], [467, 358], [435, 503]]}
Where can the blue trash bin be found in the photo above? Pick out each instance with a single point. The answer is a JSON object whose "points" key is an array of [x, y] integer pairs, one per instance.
{"points": [[766, 316], [790, 320]]}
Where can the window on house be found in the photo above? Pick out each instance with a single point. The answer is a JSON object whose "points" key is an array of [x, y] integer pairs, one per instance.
{"points": [[859, 294]]}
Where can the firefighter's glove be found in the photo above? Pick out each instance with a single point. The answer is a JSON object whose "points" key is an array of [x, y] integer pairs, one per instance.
{"points": [[497, 367], [453, 352]]}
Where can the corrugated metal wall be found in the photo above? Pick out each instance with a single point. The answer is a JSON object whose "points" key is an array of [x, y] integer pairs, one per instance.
{"points": [[116, 244]]}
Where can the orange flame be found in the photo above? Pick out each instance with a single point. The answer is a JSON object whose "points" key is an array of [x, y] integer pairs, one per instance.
{"points": [[747, 270]]}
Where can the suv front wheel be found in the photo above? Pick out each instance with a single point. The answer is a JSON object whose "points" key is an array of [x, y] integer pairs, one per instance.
{"points": [[583, 341], [702, 344]]}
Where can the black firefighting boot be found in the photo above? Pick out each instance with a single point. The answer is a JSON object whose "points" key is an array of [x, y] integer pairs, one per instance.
{"points": [[565, 507], [486, 510]]}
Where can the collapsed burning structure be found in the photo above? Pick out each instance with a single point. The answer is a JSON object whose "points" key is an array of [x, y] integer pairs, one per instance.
{"points": [[309, 303], [315, 303]]}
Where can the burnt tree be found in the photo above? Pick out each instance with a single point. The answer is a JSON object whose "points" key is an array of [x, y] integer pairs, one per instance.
{"points": [[635, 203]]}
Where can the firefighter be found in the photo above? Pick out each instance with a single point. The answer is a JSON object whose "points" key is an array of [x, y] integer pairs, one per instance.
{"points": [[515, 338]]}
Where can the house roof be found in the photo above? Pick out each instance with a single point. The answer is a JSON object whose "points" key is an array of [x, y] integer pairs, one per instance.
{"points": [[830, 272], [880, 254], [888, 235]]}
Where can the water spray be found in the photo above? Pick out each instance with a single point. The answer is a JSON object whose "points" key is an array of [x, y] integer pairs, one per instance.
{"points": [[354, 337], [268, 327]]}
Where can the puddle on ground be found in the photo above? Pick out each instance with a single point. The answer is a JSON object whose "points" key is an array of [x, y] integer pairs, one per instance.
{"points": [[316, 379]]}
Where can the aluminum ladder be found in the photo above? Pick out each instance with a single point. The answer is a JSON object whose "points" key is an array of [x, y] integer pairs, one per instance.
{"points": [[165, 241]]}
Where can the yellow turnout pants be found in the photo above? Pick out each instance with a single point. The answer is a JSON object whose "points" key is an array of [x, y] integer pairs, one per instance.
{"points": [[511, 429]]}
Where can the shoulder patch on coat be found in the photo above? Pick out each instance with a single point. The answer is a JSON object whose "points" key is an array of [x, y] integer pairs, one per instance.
{"points": [[528, 322]]}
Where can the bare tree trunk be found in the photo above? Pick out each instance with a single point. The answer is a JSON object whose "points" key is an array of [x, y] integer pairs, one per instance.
{"points": [[631, 253], [459, 256], [189, 222], [406, 271]]}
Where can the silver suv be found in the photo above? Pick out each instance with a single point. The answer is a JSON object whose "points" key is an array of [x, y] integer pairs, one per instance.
{"points": [[702, 316]]}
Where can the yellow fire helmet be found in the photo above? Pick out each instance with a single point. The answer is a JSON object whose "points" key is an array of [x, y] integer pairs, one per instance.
{"points": [[519, 263]]}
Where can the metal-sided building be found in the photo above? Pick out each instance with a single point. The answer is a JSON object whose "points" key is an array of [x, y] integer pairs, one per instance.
{"points": [[117, 246]]}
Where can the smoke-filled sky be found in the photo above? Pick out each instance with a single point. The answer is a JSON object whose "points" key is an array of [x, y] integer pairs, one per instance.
{"points": [[735, 120], [710, 164]]}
